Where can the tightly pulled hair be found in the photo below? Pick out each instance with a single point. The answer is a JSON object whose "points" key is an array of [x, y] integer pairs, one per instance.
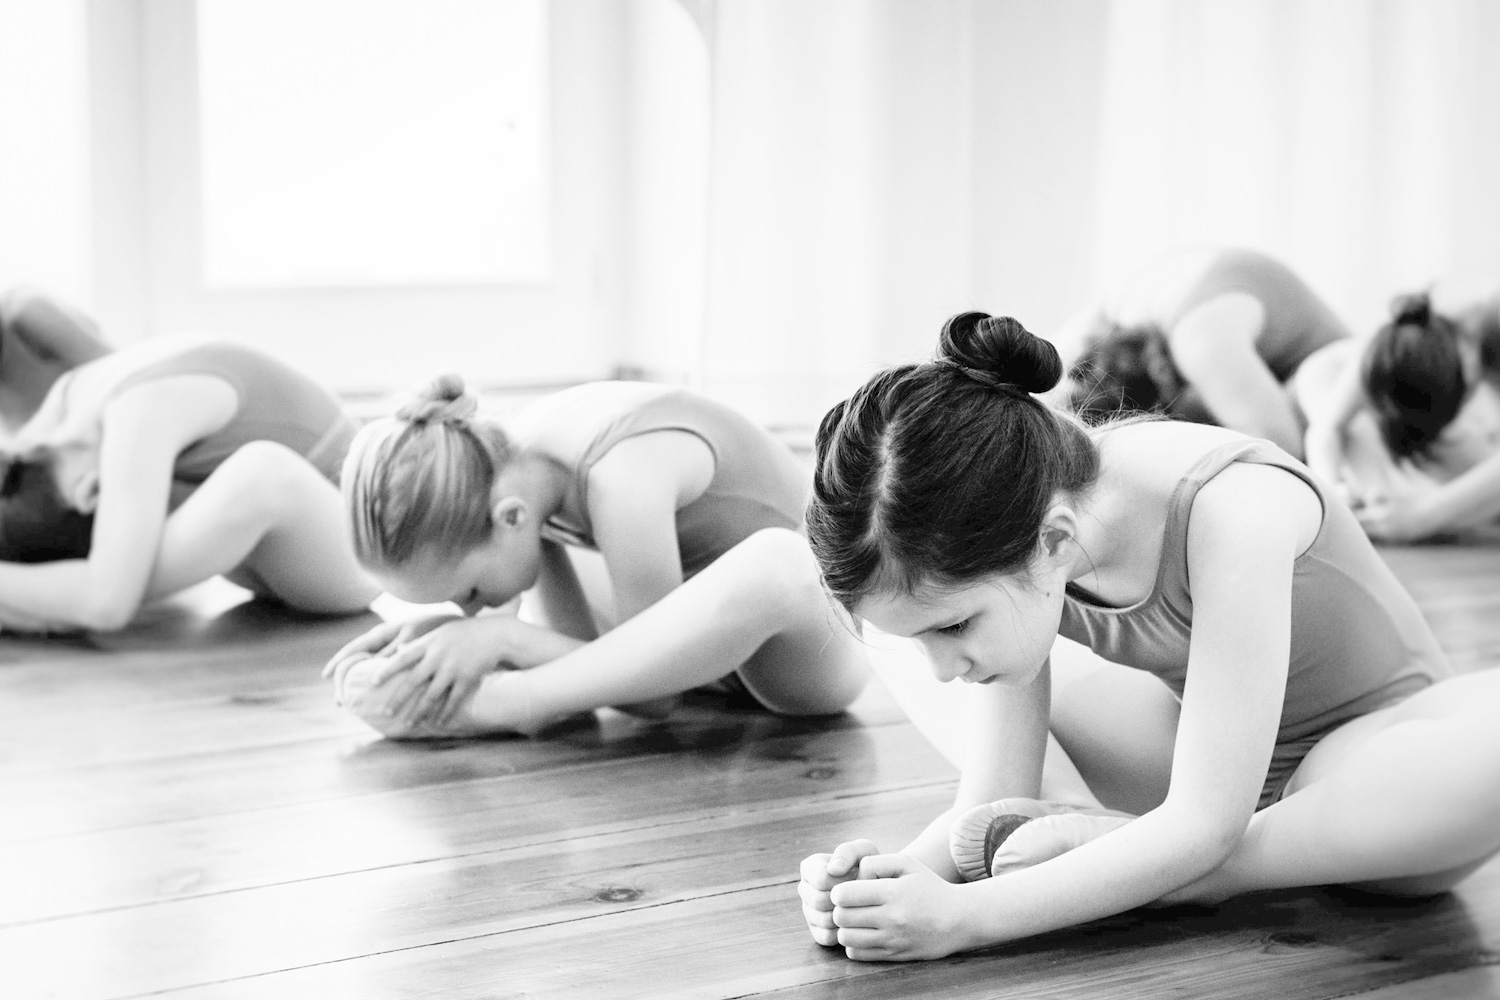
{"points": [[1413, 375], [942, 472], [422, 477]]}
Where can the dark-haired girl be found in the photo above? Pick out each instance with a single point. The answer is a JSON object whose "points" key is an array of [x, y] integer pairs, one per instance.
{"points": [[1290, 719], [1212, 336], [188, 458], [695, 510], [1431, 384]]}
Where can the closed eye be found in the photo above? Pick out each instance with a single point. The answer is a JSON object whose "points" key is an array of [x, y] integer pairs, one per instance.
{"points": [[956, 628]]}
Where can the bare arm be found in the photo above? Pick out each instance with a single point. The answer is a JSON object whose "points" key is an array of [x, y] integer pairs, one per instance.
{"points": [[1328, 421], [144, 429], [1005, 744], [1248, 526], [1214, 347], [635, 492]]}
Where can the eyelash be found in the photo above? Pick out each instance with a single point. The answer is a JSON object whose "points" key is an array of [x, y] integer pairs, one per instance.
{"points": [[956, 628]]}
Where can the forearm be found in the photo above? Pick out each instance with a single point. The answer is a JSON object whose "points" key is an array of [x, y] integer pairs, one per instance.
{"points": [[63, 593], [1471, 500], [931, 847], [1137, 864]]}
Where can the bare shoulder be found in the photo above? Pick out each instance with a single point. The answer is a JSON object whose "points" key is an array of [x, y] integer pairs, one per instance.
{"points": [[1251, 503]]}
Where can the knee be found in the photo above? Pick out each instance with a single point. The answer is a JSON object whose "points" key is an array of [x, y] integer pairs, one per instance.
{"points": [[264, 475], [782, 568]]}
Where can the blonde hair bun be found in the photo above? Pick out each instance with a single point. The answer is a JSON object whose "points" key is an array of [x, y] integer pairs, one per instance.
{"points": [[441, 401]]}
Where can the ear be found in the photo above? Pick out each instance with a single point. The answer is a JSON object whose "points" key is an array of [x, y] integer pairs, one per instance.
{"points": [[1058, 537], [509, 512]]}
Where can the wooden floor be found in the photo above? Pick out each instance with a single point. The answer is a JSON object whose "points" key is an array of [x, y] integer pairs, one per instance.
{"points": [[185, 813]]}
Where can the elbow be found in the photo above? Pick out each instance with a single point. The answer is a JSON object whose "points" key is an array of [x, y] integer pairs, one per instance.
{"points": [[1205, 841]]}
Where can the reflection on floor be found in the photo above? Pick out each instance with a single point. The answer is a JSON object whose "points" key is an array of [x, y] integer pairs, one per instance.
{"points": [[186, 813]]}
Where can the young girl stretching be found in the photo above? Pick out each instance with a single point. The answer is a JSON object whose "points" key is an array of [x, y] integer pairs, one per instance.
{"points": [[694, 509], [186, 458], [1305, 729]]}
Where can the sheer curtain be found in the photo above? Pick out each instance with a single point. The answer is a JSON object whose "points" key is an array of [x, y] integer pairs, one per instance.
{"points": [[877, 165], [1358, 140]]}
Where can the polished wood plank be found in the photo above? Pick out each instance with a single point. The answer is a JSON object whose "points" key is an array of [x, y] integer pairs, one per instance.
{"points": [[187, 814]]}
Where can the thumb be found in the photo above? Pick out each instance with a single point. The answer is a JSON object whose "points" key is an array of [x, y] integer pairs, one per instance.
{"points": [[888, 866]]}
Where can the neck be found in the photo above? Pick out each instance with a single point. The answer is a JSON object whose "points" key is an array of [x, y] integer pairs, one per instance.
{"points": [[541, 481]]}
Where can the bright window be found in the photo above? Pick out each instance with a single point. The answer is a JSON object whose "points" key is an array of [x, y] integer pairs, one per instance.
{"points": [[373, 142]]}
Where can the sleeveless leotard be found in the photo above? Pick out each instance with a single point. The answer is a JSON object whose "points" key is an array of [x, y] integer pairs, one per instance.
{"points": [[276, 403], [757, 481], [1358, 641], [1297, 322]]}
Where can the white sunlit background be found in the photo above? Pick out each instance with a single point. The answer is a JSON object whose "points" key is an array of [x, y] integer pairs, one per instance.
{"points": [[762, 198]]}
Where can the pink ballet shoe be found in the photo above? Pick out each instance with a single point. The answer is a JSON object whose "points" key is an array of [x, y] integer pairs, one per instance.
{"points": [[1012, 834]]}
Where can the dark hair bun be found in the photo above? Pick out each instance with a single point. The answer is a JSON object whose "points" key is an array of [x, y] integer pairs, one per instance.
{"points": [[443, 400], [1002, 347], [1412, 310]]}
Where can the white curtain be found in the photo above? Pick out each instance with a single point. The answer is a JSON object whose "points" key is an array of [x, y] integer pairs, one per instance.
{"points": [[839, 195], [879, 164], [1359, 140]]}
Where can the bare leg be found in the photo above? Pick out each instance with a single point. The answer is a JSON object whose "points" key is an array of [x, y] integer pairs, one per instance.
{"points": [[1401, 800], [268, 510], [764, 592]]}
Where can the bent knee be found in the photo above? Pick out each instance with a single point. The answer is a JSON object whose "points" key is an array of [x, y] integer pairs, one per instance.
{"points": [[780, 562]]}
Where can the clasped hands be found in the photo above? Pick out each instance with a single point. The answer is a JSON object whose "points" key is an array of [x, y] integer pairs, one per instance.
{"points": [[880, 907], [434, 664]]}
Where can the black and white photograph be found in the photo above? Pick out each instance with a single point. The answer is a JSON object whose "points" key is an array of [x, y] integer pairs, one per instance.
{"points": [[729, 499]]}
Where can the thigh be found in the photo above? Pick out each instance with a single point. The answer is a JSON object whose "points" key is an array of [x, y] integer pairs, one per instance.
{"points": [[814, 664], [266, 517], [1473, 694], [1117, 724]]}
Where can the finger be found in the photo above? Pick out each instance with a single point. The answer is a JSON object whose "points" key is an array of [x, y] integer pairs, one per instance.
{"points": [[871, 955], [345, 665], [886, 866], [828, 937], [864, 892], [857, 916], [458, 696], [814, 872], [406, 687], [846, 856], [372, 640], [434, 695], [402, 659], [818, 918], [863, 938], [812, 896]]}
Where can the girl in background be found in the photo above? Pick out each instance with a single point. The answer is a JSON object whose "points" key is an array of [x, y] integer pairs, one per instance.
{"points": [[694, 509], [193, 458], [1430, 385], [40, 338], [1297, 691], [1212, 336]]}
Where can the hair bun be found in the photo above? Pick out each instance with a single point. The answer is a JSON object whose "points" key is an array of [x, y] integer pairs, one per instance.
{"points": [[1412, 310], [443, 400], [1002, 347]]}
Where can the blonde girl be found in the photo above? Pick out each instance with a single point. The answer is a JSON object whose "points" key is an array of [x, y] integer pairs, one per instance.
{"points": [[695, 510]]}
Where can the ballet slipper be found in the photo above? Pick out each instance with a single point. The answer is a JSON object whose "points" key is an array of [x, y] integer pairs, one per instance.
{"points": [[1011, 834], [504, 703]]}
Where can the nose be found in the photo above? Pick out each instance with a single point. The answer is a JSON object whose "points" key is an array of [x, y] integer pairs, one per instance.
{"points": [[948, 664]]}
